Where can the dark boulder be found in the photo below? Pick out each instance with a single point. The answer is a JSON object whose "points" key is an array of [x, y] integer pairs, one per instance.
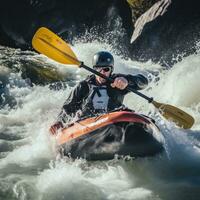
{"points": [[161, 30], [167, 31], [70, 19]]}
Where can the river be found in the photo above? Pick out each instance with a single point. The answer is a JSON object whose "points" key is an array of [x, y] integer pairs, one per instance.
{"points": [[30, 168]]}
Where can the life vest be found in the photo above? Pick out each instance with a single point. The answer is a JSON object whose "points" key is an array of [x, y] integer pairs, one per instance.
{"points": [[97, 99]]}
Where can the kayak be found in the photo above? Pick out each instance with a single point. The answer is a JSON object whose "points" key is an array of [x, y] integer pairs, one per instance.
{"points": [[102, 137]]}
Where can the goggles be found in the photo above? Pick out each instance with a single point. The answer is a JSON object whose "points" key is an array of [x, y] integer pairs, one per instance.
{"points": [[104, 69]]}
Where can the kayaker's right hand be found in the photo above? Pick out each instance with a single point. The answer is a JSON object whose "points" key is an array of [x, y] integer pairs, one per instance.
{"points": [[54, 128]]}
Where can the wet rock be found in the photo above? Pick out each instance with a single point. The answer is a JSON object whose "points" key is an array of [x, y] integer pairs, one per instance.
{"points": [[158, 9], [167, 31], [158, 30], [139, 7], [70, 19]]}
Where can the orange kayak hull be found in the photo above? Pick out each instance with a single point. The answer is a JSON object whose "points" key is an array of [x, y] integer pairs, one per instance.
{"points": [[93, 138]]}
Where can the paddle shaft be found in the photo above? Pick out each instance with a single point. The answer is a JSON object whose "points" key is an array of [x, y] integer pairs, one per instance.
{"points": [[112, 80]]}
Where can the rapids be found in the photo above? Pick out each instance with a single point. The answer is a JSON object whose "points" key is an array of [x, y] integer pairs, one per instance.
{"points": [[29, 165]]}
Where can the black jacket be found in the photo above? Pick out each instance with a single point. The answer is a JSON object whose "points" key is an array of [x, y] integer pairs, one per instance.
{"points": [[78, 98]]}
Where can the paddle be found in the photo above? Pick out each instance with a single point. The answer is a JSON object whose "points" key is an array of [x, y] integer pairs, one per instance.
{"points": [[49, 44]]}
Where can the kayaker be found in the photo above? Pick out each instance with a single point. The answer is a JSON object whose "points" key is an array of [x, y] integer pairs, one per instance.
{"points": [[95, 95]]}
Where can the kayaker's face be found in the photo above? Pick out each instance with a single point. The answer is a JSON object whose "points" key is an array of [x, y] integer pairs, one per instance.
{"points": [[106, 71]]}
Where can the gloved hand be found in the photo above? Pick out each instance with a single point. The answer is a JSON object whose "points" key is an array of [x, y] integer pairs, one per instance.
{"points": [[120, 83], [55, 127]]}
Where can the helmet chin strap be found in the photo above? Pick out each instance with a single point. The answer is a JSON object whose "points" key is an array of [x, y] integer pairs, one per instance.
{"points": [[112, 69]]}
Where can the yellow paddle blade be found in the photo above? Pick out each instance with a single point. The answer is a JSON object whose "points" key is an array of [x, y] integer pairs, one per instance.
{"points": [[49, 44], [175, 114]]}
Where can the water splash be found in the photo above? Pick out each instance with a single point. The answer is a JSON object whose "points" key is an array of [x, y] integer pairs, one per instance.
{"points": [[27, 149]]}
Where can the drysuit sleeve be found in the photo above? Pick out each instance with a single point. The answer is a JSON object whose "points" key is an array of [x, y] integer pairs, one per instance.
{"points": [[137, 82], [74, 100]]}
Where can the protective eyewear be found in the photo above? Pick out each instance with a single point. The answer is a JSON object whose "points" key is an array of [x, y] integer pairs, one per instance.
{"points": [[105, 69]]}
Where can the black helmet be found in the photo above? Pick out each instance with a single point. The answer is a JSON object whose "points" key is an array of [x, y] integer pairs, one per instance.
{"points": [[103, 59]]}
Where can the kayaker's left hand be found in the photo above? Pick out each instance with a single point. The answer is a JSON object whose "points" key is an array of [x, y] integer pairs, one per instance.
{"points": [[55, 127], [120, 83]]}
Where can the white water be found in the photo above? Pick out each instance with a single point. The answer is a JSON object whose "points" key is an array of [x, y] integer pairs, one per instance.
{"points": [[29, 168]]}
